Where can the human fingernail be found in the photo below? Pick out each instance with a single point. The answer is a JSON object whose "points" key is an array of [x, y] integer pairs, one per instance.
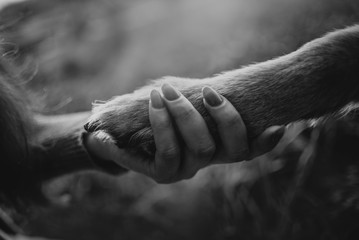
{"points": [[156, 99], [212, 97], [169, 92]]}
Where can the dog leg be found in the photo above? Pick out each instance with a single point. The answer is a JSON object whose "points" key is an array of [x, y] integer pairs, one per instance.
{"points": [[319, 78]]}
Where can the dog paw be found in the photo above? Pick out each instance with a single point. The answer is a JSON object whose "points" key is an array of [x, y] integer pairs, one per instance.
{"points": [[126, 118]]}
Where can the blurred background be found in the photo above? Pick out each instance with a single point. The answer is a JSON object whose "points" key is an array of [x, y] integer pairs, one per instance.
{"points": [[73, 52], [81, 50]]}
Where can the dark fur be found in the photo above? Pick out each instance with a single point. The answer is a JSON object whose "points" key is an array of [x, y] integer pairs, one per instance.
{"points": [[15, 128], [12, 118], [319, 78]]}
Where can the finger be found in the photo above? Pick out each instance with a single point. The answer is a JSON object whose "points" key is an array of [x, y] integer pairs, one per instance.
{"points": [[268, 140], [101, 145], [190, 123], [231, 129], [167, 160]]}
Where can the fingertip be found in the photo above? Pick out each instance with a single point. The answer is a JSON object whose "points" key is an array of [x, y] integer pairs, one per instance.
{"points": [[211, 97], [169, 92]]}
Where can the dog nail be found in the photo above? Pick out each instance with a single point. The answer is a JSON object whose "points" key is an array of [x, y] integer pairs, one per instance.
{"points": [[169, 92], [156, 99], [87, 126], [211, 97]]}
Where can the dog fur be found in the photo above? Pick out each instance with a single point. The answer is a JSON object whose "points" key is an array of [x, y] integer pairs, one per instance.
{"points": [[319, 78]]}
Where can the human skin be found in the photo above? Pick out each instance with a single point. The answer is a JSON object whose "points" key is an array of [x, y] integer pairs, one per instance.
{"points": [[181, 153]]}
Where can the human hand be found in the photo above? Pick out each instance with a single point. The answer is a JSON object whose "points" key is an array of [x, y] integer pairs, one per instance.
{"points": [[184, 144]]}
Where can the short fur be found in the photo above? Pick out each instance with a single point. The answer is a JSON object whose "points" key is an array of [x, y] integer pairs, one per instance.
{"points": [[319, 78]]}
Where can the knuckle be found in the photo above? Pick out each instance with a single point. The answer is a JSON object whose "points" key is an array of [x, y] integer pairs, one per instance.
{"points": [[205, 151], [168, 153]]}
